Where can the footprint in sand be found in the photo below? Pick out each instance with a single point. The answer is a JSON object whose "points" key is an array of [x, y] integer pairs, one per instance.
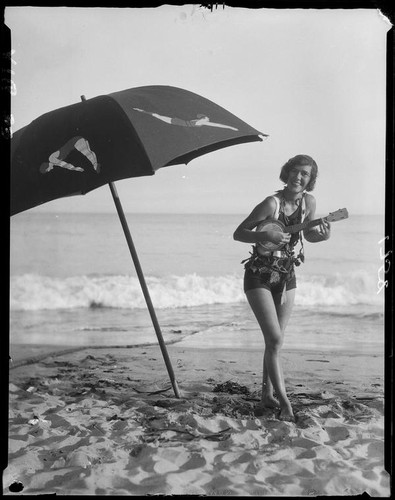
{"points": [[337, 433], [78, 459], [330, 414], [308, 454]]}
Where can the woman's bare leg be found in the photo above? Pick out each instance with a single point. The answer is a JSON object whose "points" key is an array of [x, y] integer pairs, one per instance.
{"points": [[267, 399], [284, 311], [272, 317], [283, 314]]}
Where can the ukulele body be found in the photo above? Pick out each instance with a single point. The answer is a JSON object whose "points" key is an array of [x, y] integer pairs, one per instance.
{"points": [[270, 225]]}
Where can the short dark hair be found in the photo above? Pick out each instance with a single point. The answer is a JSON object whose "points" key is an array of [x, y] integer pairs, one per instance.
{"points": [[300, 160]]}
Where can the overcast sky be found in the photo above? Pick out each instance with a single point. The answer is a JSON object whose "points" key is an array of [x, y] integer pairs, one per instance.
{"points": [[314, 80]]}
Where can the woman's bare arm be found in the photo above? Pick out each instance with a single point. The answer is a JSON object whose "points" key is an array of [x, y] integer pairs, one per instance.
{"points": [[245, 231], [318, 233]]}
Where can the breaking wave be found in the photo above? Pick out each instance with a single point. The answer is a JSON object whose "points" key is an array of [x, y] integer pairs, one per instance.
{"points": [[36, 292]]}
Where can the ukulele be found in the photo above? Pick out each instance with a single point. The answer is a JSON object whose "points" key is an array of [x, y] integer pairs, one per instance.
{"points": [[276, 225]]}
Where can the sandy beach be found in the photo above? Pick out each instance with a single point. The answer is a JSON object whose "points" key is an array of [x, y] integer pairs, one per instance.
{"points": [[97, 421]]}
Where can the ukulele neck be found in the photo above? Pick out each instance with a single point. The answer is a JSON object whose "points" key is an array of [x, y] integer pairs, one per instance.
{"points": [[304, 225]]}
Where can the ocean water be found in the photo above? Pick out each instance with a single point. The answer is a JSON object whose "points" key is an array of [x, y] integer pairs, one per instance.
{"points": [[72, 282]]}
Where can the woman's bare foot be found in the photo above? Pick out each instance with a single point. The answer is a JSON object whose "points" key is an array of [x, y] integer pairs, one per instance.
{"points": [[269, 402], [286, 414]]}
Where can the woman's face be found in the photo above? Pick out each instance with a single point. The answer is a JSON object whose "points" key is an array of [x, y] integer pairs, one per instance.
{"points": [[298, 178]]}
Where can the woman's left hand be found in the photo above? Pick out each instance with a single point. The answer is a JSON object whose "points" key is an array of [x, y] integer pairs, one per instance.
{"points": [[324, 229]]}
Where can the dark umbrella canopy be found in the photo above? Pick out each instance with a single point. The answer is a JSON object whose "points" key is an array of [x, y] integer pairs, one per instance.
{"points": [[131, 133]]}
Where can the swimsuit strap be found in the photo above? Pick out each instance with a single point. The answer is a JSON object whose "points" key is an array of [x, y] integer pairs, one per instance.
{"points": [[276, 253], [277, 210], [303, 207]]}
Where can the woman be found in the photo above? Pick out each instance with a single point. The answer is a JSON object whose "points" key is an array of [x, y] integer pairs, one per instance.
{"points": [[269, 279]]}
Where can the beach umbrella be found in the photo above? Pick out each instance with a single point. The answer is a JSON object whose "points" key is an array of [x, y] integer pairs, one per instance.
{"points": [[131, 133]]}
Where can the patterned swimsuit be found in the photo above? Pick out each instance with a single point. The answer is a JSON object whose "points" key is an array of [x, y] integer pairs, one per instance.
{"points": [[275, 274]]}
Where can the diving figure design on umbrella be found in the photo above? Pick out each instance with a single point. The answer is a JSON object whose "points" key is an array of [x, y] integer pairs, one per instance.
{"points": [[199, 122], [58, 157]]}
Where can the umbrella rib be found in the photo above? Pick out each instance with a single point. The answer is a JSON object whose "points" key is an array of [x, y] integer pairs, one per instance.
{"points": [[129, 124]]}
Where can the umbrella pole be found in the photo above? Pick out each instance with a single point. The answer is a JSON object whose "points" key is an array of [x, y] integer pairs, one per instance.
{"points": [[144, 288]]}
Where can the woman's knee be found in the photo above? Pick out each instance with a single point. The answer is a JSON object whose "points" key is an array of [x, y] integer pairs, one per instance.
{"points": [[274, 344]]}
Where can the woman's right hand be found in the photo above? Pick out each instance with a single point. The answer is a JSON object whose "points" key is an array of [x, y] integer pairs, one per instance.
{"points": [[276, 237]]}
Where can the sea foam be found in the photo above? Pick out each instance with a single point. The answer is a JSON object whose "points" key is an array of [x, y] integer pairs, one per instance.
{"points": [[36, 292]]}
